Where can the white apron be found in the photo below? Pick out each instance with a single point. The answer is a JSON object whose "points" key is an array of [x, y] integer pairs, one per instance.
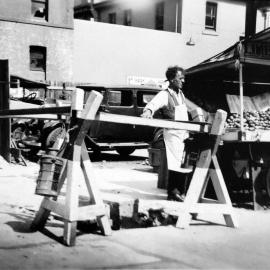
{"points": [[174, 141]]}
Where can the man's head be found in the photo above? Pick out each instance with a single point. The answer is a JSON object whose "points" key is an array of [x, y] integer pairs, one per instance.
{"points": [[176, 77]]}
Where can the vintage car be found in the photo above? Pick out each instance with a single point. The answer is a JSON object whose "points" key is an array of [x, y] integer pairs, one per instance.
{"points": [[125, 100], [117, 99]]}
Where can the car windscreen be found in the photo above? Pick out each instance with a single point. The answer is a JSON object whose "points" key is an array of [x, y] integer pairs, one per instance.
{"points": [[143, 97], [119, 98]]}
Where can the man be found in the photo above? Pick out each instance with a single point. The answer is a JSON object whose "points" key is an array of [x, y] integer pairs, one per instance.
{"points": [[171, 103]]}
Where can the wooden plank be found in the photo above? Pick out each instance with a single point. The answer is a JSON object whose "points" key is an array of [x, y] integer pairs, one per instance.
{"points": [[219, 183], [210, 208], [93, 191], [93, 102], [40, 219], [218, 124], [222, 193], [88, 174], [70, 209], [72, 192], [208, 200], [62, 177], [39, 116], [41, 216], [90, 110], [70, 231], [196, 187], [104, 224], [91, 211], [133, 120], [54, 206], [29, 111], [200, 177]]}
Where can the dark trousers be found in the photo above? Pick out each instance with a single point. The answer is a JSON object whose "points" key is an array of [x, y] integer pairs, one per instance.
{"points": [[177, 180]]}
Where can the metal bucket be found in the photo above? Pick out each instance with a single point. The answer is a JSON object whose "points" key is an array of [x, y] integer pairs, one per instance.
{"points": [[49, 175]]}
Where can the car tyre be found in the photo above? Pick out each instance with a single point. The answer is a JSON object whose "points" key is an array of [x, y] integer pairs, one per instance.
{"points": [[125, 151]]}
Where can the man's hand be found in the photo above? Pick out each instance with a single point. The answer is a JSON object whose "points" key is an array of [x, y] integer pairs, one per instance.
{"points": [[147, 114]]}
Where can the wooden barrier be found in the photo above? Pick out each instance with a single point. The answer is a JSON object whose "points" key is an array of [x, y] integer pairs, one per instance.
{"points": [[51, 113], [76, 154], [207, 168], [77, 158]]}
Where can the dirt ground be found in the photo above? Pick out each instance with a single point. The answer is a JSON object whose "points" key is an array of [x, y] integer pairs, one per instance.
{"points": [[200, 246]]}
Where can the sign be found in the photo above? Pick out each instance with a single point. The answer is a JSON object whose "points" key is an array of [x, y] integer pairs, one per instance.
{"points": [[256, 103], [147, 81]]}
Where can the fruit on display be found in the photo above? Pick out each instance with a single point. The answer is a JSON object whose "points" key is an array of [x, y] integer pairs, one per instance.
{"points": [[252, 120]]}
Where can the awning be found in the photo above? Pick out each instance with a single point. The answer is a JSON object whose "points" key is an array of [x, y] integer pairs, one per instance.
{"points": [[247, 61], [27, 83], [253, 53]]}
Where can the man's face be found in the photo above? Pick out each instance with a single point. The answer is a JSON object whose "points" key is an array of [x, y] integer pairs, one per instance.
{"points": [[178, 81]]}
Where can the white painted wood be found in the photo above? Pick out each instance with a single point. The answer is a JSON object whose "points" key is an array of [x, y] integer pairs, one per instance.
{"points": [[92, 105], [133, 120], [195, 202], [90, 212], [91, 184], [77, 99], [54, 206], [72, 196]]}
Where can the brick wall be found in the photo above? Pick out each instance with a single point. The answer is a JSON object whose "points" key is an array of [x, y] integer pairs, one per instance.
{"points": [[60, 12], [15, 39]]}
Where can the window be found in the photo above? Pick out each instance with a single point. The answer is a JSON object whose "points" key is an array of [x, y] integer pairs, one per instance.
{"points": [[127, 17], [119, 98], [40, 9], [160, 16], [144, 97], [211, 16], [112, 18], [38, 58]]}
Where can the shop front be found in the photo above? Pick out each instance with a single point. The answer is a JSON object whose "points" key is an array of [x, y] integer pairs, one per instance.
{"points": [[238, 81]]}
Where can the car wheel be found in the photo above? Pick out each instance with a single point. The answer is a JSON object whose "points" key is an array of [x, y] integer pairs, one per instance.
{"points": [[125, 151], [52, 137]]}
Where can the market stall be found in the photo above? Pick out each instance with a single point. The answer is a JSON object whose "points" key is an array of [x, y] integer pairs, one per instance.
{"points": [[237, 80]]}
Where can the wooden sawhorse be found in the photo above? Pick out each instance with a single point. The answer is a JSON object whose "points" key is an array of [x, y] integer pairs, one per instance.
{"points": [[77, 161], [207, 168]]}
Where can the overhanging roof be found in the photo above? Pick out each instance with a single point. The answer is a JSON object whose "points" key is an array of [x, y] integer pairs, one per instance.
{"points": [[27, 82], [255, 57]]}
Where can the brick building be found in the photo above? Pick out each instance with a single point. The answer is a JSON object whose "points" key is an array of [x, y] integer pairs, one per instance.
{"points": [[36, 36]]}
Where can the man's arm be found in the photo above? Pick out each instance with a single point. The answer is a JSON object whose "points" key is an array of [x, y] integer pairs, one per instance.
{"points": [[159, 101]]}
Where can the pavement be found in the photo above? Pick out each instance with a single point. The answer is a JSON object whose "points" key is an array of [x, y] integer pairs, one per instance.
{"points": [[202, 245]]}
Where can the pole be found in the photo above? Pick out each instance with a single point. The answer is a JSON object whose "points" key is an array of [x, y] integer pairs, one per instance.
{"points": [[241, 97], [4, 105], [176, 17]]}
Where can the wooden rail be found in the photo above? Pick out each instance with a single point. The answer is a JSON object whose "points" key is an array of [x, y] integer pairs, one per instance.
{"points": [[133, 120], [108, 117], [30, 111]]}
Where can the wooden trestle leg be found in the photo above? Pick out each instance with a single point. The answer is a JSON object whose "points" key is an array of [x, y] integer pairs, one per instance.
{"points": [[207, 168], [78, 163]]}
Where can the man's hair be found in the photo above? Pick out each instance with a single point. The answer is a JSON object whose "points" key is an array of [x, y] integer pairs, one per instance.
{"points": [[172, 71]]}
